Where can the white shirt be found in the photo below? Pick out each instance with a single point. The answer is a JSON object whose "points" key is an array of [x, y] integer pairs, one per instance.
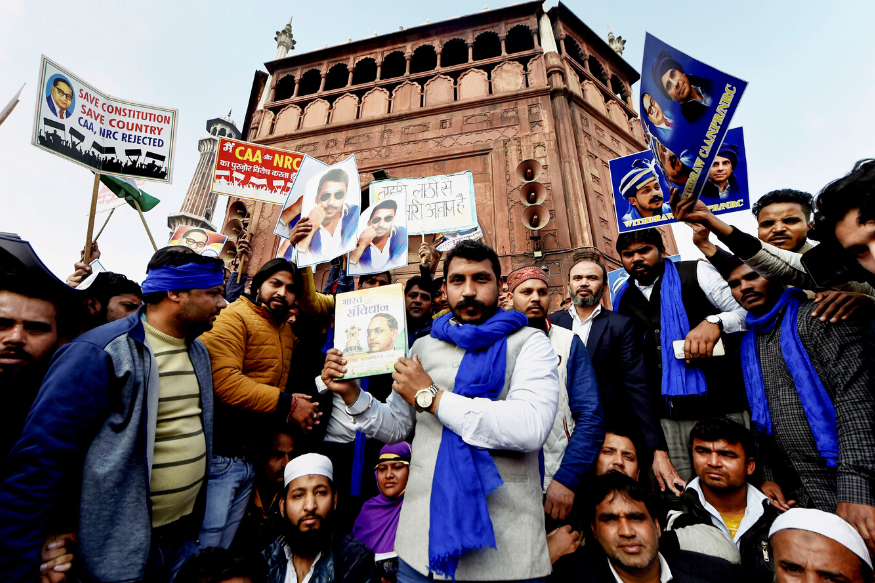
{"points": [[341, 428], [717, 291], [331, 243], [291, 574], [521, 422], [582, 328], [664, 571], [752, 513], [380, 259]]}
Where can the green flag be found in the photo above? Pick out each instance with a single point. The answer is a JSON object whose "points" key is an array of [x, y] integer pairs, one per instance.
{"points": [[127, 189]]}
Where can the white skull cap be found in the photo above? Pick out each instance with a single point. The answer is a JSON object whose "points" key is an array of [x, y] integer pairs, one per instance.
{"points": [[309, 464], [825, 524]]}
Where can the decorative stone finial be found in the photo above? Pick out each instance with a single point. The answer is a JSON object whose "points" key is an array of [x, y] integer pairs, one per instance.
{"points": [[285, 41], [617, 43]]}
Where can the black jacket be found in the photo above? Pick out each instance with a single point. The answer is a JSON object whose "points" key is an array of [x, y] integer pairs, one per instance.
{"points": [[754, 544], [619, 367], [351, 562]]}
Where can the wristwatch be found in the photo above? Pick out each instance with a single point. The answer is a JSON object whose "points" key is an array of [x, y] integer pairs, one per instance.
{"points": [[424, 398], [715, 320]]}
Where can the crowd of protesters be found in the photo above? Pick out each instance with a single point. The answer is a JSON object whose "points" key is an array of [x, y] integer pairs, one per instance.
{"points": [[717, 423]]}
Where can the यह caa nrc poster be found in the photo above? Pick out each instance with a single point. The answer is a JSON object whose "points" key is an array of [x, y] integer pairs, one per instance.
{"points": [[108, 135], [435, 204], [253, 171], [370, 329]]}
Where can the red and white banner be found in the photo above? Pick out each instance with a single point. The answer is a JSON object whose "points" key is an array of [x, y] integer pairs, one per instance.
{"points": [[256, 172]]}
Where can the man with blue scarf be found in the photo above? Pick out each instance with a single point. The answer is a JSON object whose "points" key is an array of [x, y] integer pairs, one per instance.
{"points": [[482, 391], [811, 404], [686, 301], [117, 444]]}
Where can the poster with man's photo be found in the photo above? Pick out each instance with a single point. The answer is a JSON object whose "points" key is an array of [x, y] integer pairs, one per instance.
{"points": [[686, 107], [641, 193], [201, 241], [291, 213], [370, 329], [382, 236], [331, 199]]}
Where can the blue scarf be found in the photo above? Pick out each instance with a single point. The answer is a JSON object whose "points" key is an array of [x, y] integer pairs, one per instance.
{"points": [[188, 276], [818, 407], [678, 379], [464, 476]]}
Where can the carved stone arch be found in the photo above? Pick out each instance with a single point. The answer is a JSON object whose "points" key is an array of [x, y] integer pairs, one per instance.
{"points": [[310, 81], [574, 50], [287, 120], [508, 76], [406, 97], [519, 39], [439, 90], [473, 83], [424, 58], [454, 52], [337, 76], [364, 70], [346, 108], [316, 113], [537, 71], [264, 129], [394, 65], [486, 45], [592, 94], [375, 102]]}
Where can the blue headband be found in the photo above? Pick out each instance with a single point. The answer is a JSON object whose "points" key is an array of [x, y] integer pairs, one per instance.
{"points": [[189, 276]]}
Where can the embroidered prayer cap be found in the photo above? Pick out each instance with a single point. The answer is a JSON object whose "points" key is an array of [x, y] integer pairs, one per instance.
{"points": [[309, 464], [641, 175], [730, 152], [522, 274], [825, 524], [662, 63], [400, 452]]}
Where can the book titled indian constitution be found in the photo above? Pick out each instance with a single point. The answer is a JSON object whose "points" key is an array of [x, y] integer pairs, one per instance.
{"points": [[370, 329]]}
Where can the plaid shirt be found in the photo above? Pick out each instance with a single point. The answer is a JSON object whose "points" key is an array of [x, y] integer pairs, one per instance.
{"points": [[789, 457]]}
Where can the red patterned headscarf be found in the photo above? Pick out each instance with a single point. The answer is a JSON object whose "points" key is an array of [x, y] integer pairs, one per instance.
{"points": [[520, 275]]}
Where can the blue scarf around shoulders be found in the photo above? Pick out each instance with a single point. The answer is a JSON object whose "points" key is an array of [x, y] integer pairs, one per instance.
{"points": [[678, 378], [464, 475], [818, 407]]}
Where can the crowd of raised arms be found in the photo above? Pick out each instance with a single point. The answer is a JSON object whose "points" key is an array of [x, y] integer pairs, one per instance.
{"points": [[716, 424]]}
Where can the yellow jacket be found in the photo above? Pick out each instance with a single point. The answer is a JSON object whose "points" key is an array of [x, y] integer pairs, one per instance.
{"points": [[250, 356]]}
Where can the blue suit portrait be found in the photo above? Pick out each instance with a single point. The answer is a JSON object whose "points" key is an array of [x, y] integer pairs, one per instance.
{"points": [[67, 112]]}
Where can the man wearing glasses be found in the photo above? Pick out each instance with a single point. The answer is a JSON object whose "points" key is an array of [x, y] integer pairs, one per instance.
{"points": [[381, 332], [195, 239], [336, 219], [382, 245], [61, 100]]}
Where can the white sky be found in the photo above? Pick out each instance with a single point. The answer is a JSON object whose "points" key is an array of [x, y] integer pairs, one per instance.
{"points": [[810, 68]]}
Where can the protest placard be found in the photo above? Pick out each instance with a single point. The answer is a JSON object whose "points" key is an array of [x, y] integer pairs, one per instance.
{"points": [[331, 199], [108, 135], [450, 240], [641, 193], [686, 107], [435, 204], [201, 241], [253, 171], [382, 236], [370, 329]]}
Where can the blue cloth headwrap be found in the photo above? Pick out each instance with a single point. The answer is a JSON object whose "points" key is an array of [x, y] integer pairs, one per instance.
{"points": [[678, 379], [464, 475], [818, 407], [189, 276]]}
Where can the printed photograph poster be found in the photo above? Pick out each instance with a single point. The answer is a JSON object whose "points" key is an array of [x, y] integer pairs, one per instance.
{"points": [[291, 212], [253, 171], [331, 199], [641, 193], [106, 134], [382, 236], [618, 277], [435, 204], [450, 240], [201, 241], [686, 107], [370, 329]]}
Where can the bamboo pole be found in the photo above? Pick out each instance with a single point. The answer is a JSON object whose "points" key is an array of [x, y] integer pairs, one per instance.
{"points": [[86, 256], [106, 222], [142, 218]]}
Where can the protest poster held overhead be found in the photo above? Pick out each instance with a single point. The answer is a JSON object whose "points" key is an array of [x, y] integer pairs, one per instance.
{"points": [[331, 199], [370, 329], [382, 235], [641, 192], [435, 204], [108, 135], [686, 107], [253, 171], [201, 241]]}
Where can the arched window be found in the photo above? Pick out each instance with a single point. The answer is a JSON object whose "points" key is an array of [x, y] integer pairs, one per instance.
{"points": [[519, 39], [486, 46], [619, 89], [365, 71], [310, 82], [285, 88], [596, 68], [424, 59], [573, 50], [338, 76], [394, 65], [454, 52]]}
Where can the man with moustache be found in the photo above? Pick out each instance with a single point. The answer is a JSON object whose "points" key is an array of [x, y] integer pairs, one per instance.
{"points": [[578, 428], [382, 245], [640, 186], [250, 349], [310, 549], [336, 220], [417, 302], [117, 443], [691, 91], [382, 331], [807, 383], [618, 361]]}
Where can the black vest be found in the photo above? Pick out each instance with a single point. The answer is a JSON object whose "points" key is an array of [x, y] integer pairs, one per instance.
{"points": [[722, 373]]}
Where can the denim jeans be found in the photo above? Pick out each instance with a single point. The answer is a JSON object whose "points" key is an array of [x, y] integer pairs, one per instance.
{"points": [[407, 574], [228, 490], [166, 557]]}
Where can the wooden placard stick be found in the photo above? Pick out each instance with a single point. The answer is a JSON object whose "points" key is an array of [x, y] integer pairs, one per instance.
{"points": [[243, 259], [142, 218], [106, 222], [86, 256]]}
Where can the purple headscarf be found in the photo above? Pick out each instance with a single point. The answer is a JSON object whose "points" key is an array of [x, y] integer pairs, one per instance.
{"points": [[378, 520]]}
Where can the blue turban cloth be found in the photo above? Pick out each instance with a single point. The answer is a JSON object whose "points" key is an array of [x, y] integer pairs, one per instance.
{"points": [[641, 174], [188, 276], [730, 152], [662, 63]]}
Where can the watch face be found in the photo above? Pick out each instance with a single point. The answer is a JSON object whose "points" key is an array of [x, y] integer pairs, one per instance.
{"points": [[424, 399]]}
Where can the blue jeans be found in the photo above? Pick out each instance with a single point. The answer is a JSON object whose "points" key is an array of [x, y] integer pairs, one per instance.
{"points": [[407, 574], [166, 557], [228, 490]]}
